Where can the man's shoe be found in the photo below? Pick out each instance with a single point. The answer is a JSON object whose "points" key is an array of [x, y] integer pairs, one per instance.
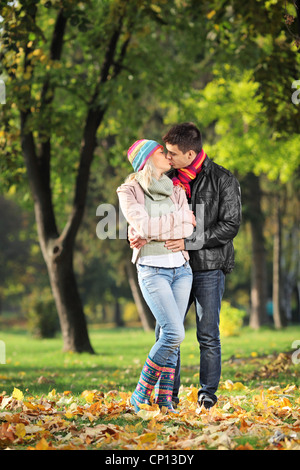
{"points": [[206, 401]]}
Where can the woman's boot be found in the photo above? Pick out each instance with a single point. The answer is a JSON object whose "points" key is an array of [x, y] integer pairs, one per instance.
{"points": [[149, 376], [164, 389]]}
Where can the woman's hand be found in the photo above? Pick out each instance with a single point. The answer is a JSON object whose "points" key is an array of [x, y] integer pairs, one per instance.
{"points": [[135, 240], [138, 242]]}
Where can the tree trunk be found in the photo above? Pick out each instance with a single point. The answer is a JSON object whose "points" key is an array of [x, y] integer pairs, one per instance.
{"points": [[296, 316], [297, 5], [258, 315], [290, 263], [145, 314], [68, 302], [118, 314], [58, 248], [278, 313]]}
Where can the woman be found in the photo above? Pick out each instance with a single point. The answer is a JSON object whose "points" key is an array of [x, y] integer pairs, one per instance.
{"points": [[157, 211]]}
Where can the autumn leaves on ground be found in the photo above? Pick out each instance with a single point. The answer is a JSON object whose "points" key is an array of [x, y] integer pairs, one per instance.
{"points": [[45, 405]]}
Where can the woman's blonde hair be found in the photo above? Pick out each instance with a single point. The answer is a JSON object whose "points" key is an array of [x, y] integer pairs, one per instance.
{"points": [[147, 174]]}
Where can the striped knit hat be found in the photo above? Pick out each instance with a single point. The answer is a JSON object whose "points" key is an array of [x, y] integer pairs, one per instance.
{"points": [[140, 151]]}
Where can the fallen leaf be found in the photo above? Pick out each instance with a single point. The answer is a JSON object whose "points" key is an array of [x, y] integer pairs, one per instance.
{"points": [[43, 445], [246, 446], [20, 430], [147, 437], [148, 414], [17, 394]]}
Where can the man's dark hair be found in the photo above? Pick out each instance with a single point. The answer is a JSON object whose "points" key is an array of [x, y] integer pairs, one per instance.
{"points": [[186, 136]]}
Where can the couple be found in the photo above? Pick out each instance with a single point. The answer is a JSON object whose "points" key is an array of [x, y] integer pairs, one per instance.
{"points": [[176, 265]]}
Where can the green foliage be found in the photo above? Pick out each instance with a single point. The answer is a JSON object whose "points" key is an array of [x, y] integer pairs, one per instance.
{"points": [[40, 312], [231, 319], [236, 129], [130, 312]]}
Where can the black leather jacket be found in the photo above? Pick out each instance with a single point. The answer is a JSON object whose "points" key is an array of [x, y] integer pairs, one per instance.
{"points": [[216, 202]]}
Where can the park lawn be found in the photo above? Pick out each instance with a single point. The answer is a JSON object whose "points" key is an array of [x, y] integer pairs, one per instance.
{"points": [[81, 400]]}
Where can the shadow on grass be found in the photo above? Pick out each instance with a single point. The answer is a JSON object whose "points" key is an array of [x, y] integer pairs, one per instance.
{"points": [[42, 381]]}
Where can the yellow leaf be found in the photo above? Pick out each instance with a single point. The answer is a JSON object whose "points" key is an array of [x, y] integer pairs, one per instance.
{"points": [[88, 395], [211, 14], [12, 190], [52, 393], [238, 386], [147, 437], [289, 388], [227, 385], [147, 415], [17, 394], [42, 445], [192, 395], [20, 430], [37, 52], [154, 425]]}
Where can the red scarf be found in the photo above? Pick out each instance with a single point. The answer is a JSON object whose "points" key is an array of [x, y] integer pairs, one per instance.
{"points": [[187, 174]]}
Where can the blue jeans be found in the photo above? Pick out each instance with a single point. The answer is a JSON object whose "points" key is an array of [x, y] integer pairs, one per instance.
{"points": [[207, 292], [167, 292]]}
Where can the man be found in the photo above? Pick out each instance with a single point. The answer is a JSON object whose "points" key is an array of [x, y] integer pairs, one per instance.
{"points": [[214, 195]]}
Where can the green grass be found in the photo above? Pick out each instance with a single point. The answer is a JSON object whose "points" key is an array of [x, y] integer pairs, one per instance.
{"points": [[40, 365]]}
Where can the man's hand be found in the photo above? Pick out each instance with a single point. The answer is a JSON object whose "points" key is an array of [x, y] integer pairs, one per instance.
{"points": [[178, 245], [175, 245]]}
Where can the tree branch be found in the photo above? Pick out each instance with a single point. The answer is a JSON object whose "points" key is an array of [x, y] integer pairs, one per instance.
{"points": [[38, 166], [297, 5], [47, 94], [94, 118], [42, 198]]}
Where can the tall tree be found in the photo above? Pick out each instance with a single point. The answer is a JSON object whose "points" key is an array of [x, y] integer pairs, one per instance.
{"points": [[31, 56], [63, 62], [254, 215]]}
